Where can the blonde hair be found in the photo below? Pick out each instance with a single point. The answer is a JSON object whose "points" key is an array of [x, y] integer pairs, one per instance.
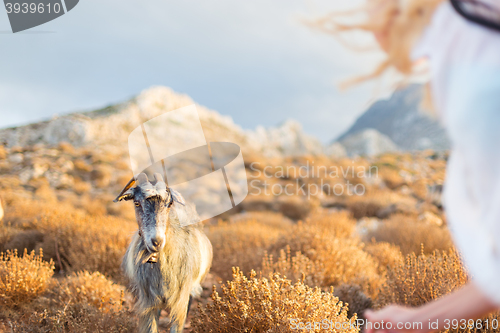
{"points": [[400, 22]]}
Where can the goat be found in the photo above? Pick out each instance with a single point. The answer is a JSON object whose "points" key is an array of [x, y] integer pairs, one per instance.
{"points": [[166, 260]]}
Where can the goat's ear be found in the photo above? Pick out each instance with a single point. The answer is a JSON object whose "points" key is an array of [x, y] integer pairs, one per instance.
{"points": [[126, 193], [177, 197]]}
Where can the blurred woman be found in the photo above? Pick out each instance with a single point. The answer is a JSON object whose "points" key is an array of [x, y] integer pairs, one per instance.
{"points": [[461, 41]]}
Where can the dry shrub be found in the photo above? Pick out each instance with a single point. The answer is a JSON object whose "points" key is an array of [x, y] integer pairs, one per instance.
{"points": [[326, 239], [387, 255], [23, 278], [82, 166], [9, 182], [242, 243], [101, 175], [420, 189], [268, 305], [373, 203], [3, 152], [76, 318], [355, 299], [7, 232], [409, 234], [312, 234], [365, 208], [73, 239], [295, 268], [45, 194], [90, 288], [92, 205], [81, 187], [66, 147], [423, 278], [345, 262], [24, 240], [271, 219], [295, 208], [391, 177]]}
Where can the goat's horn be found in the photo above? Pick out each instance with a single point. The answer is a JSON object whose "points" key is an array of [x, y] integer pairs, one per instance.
{"points": [[142, 179], [129, 185], [158, 178]]}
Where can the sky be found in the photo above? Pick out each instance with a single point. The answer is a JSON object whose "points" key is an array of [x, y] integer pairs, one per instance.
{"points": [[256, 61]]}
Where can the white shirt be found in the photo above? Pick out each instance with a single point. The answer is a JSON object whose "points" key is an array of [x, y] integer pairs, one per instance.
{"points": [[464, 61]]}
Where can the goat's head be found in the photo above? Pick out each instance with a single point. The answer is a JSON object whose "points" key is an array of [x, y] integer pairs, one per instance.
{"points": [[152, 207]]}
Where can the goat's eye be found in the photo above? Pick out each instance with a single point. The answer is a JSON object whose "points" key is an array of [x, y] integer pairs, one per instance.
{"points": [[137, 203]]}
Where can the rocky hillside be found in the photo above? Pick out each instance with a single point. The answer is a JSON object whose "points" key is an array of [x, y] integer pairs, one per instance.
{"points": [[368, 142], [108, 129], [396, 124], [401, 120]]}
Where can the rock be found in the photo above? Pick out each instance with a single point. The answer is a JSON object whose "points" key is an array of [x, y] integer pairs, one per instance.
{"points": [[431, 218], [435, 194], [400, 207], [59, 180], [288, 139], [368, 142], [336, 150], [367, 225], [16, 158], [39, 170]]}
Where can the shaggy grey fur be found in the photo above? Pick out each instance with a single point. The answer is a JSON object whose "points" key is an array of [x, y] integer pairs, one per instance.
{"points": [[167, 258]]}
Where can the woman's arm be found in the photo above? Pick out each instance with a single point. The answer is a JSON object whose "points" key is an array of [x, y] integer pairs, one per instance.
{"points": [[469, 302]]}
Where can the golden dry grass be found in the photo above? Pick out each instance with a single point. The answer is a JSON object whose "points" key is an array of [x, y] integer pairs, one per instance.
{"points": [[243, 243], [268, 304], [90, 288], [387, 255], [86, 235], [296, 268], [422, 278], [23, 278], [409, 235], [327, 239], [75, 318], [74, 239]]}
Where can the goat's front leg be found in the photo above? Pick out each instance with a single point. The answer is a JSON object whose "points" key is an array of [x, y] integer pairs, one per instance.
{"points": [[175, 328], [148, 322]]}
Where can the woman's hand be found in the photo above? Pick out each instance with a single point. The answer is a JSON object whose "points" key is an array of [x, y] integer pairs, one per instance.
{"points": [[394, 318], [469, 302]]}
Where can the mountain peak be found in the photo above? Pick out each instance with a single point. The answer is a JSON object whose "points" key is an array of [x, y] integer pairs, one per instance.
{"points": [[402, 120]]}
